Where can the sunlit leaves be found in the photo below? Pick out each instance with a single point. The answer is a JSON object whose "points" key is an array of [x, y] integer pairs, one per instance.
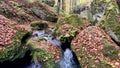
{"points": [[107, 1], [110, 7]]}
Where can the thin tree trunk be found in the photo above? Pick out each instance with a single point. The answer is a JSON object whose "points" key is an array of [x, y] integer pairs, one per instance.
{"points": [[59, 6]]}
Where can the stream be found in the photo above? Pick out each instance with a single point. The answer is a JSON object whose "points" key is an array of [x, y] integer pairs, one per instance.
{"points": [[68, 58]]}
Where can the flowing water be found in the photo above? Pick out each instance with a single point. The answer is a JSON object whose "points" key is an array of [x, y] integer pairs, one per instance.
{"points": [[68, 57]]}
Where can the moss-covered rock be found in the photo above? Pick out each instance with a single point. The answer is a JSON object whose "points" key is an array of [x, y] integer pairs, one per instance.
{"points": [[21, 42], [38, 25], [44, 12], [15, 49], [105, 13], [44, 52], [12, 9], [95, 49], [23, 10], [110, 23], [111, 52], [74, 20]]}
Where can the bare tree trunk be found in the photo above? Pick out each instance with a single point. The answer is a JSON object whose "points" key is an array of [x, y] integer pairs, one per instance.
{"points": [[59, 6], [67, 5]]}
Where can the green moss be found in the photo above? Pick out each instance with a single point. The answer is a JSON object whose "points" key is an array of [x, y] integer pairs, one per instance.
{"points": [[88, 59], [15, 50], [44, 57], [39, 25], [69, 35], [103, 64], [111, 52], [74, 20], [47, 62], [41, 55], [84, 58], [110, 23]]}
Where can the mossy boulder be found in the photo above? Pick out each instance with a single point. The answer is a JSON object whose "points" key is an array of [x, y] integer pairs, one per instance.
{"points": [[14, 10], [21, 43], [45, 12], [70, 26], [42, 52], [74, 20], [15, 49], [23, 10], [39, 25], [95, 49], [105, 13], [111, 24], [112, 29], [11, 47]]}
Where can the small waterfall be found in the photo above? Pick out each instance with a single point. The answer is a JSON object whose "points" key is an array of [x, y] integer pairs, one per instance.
{"points": [[68, 57], [48, 37], [67, 61]]}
